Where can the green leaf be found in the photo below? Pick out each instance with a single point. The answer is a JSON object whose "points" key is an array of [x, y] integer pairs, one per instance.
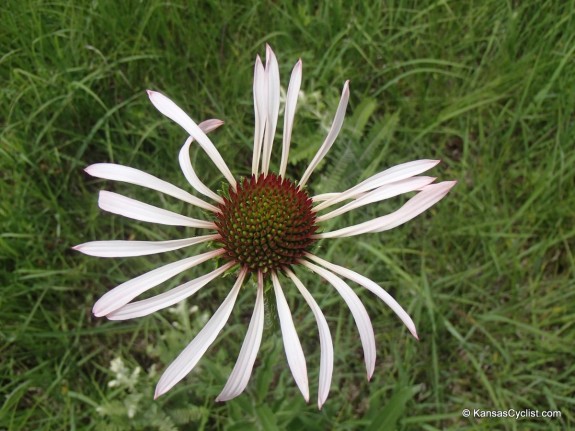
{"points": [[386, 419]]}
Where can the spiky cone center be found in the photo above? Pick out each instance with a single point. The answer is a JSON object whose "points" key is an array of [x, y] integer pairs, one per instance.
{"points": [[266, 224]]}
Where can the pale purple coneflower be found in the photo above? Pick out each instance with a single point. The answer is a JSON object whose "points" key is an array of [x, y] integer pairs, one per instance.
{"points": [[264, 225]]}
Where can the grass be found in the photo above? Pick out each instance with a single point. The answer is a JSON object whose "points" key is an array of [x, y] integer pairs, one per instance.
{"points": [[487, 274]]}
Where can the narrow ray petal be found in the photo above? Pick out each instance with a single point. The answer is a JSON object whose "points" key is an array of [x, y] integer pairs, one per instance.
{"points": [[242, 371], [289, 113], [391, 175], [111, 171], [131, 208], [138, 248], [425, 199], [186, 163], [273, 106], [381, 193], [190, 174], [260, 111], [190, 356], [372, 287], [166, 299], [125, 292], [292, 345], [325, 197], [326, 345], [358, 311], [331, 136], [176, 114]]}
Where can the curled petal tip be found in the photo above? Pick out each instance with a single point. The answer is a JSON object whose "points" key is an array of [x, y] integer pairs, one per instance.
{"points": [[96, 311]]}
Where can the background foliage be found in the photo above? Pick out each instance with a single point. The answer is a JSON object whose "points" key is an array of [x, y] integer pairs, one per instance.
{"points": [[488, 275]]}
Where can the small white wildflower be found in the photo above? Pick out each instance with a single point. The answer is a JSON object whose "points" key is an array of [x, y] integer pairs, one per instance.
{"points": [[123, 377]]}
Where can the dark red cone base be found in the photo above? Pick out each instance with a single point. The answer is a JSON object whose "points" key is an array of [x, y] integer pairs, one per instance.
{"points": [[267, 224]]}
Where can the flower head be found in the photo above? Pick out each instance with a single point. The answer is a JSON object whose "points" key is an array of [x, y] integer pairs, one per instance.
{"points": [[264, 225]]}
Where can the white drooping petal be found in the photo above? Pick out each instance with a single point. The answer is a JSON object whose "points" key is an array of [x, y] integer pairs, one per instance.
{"points": [[391, 175], [273, 107], [194, 351], [372, 287], [166, 299], [331, 136], [260, 112], [292, 345], [131, 208], [138, 248], [177, 114], [190, 174], [324, 197], [425, 199], [381, 193], [358, 311], [242, 371], [125, 292], [289, 113], [326, 345], [111, 171]]}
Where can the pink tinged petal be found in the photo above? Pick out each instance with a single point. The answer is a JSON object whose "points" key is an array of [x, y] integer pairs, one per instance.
{"points": [[191, 355], [210, 125], [381, 193], [131, 208], [391, 175], [260, 111], [190, 174], [289, 113], [111, 171], [125, 292], [331, 136], [176, 114], [425, 199], [166, 299], [326, 345], [372, 287], [242, 371], [358, 311], [292, 345], [138, 248], [273, 106]]}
